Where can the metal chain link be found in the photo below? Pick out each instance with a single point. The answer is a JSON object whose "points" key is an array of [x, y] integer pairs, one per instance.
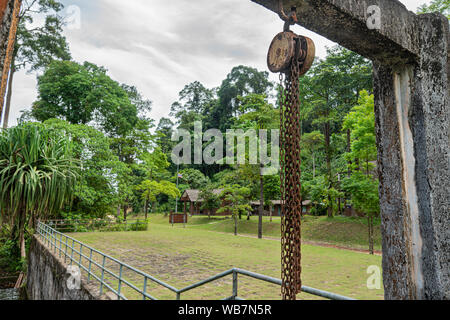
{"points": [[290, 184]]}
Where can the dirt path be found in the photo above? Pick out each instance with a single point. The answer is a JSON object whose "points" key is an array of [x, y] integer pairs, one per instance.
{"points": [[311, 243]]}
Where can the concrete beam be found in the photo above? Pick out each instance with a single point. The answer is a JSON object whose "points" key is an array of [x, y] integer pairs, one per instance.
{"points": [[345, 22]]}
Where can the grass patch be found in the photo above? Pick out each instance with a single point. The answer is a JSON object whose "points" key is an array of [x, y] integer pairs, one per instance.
{"points": [[341, 231], [183, 256]]}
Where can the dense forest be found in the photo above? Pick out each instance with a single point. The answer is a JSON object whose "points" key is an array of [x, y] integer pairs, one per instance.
{"points": [[126, 157]]}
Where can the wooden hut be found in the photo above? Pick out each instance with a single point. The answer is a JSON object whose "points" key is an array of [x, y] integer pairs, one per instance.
{"points": [[193, 202]]}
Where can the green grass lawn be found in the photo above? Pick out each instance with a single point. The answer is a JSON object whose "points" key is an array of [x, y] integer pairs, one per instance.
{"points": [[183, 256], [340, 231]]}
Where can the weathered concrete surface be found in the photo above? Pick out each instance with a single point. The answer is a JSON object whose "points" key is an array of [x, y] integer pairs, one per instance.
{"points": [[47, 277], [411, 85]]}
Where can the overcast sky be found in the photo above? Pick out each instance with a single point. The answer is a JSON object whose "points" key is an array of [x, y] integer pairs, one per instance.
{"points": [[159, 46]]}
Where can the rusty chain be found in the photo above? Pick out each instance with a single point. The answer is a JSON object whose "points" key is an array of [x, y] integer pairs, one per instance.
{"points": [[290, 184]]}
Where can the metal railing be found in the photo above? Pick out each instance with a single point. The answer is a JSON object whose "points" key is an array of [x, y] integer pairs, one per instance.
{"points": [[88, 258], [77, 225]]}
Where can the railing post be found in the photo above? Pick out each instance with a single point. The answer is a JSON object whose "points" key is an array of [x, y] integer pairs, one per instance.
{"points": [[81, 255], [47, 237], [178, 296], [60, 244], [65, 251], [103, 275], [90, 264], [145, 289], [120, 281], [235, 284], [71, 254], [53, 242]]}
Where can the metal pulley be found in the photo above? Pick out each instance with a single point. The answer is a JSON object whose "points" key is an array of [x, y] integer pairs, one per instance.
{"points": [[287, 48]]}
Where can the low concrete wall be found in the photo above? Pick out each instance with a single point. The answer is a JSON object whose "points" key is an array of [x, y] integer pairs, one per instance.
{"points": [[47, 277]]}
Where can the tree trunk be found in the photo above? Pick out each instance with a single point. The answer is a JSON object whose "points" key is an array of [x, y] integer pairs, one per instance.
{"points": [[261, 203], [9, 96], [23, 253], [328, 156], [118, 210], [125, 209], [235, 224], [146, 208], [314, 165], [371, 240], [271, 209], [349, 149]]}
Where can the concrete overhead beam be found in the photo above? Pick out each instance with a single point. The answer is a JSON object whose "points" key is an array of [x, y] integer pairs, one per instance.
{"points": [[345, 22]]}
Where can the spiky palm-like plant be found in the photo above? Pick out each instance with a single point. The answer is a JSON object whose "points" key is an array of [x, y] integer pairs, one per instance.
{"points": [[37, 175]]}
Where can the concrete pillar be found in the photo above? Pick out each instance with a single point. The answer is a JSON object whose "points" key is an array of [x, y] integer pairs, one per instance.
{"points": [[412, 120], [411, 84]]}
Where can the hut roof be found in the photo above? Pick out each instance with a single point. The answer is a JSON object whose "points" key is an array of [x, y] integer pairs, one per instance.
{"points": [[193, 195]]}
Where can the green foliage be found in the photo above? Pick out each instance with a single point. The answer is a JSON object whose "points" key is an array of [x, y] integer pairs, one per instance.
{"points": [[194, 178], [361, 122], [191, 104], [37, 175], [95, 190], [236, 199], [10, 260], [37, 46], [37, 170], [442, 6], [121, 227], [80, 94], [241, 81], [151, 189], [362, 187], [328, 92], [211, 201], [364, 191]]}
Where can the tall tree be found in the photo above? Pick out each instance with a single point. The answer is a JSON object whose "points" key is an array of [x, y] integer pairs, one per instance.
{"points": [[94, 192], [37, 46], [164, 133], [242, 80], [328, 92], [211, 201], [313, 141], [84, 94], [236, 199], [260, 115], [363, 183], [151, 189]]}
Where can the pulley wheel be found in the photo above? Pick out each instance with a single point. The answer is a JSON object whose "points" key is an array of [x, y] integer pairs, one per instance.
{"points": [[281, 52], [307, 45]]}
